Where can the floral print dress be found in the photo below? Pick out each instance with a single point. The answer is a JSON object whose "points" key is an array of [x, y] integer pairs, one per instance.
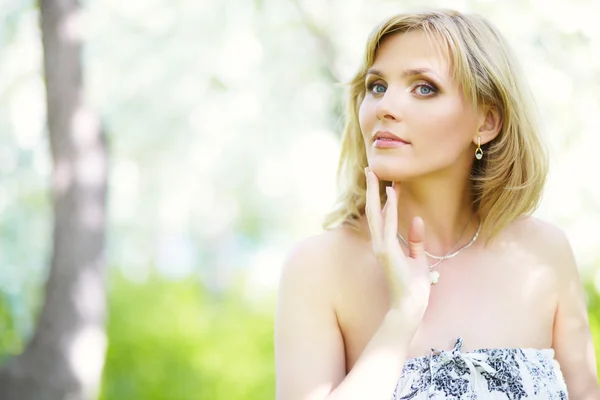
{"points": [[508, 373]]}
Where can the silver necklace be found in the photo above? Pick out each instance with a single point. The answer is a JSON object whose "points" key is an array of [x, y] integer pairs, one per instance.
{"points": [[434, 276], [447, 255]]}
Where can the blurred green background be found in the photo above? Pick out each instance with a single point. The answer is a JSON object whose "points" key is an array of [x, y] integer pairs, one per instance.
{"points": [[223, 120]]}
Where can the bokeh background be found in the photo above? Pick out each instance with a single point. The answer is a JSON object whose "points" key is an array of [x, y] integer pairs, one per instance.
{"points": [[224, 119]]}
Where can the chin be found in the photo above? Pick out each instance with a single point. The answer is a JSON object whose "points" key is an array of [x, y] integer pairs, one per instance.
{"points": [[393, 173]]}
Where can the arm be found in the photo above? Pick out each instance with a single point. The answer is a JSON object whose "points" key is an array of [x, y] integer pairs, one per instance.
{"points": [[572, 340], [309, 347]]}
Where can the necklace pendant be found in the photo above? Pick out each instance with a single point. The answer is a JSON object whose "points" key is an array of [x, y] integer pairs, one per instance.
{"points": [[434, 277]]}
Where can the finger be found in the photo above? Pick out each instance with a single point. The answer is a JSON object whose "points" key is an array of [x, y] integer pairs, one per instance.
{"points": [[416, 238], [373, 209], [396, 186], [396, 192], [391, 218]]}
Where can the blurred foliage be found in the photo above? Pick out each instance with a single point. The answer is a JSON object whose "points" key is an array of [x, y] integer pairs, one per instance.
{"points": [[172, 340], [593, 298], [11, 341]]}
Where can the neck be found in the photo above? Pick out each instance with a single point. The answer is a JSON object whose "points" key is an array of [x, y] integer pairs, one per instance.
{"points": [[447, 212]]}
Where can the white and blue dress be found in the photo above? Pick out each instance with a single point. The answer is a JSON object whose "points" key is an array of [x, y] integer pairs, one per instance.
{"points": [[494, 374]]}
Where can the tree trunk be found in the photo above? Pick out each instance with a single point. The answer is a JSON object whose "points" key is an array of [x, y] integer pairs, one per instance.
{"points": [[65, 356]]}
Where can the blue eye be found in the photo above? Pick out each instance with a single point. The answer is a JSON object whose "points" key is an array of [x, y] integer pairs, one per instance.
{"points": [[425, 90], [377, 88]]}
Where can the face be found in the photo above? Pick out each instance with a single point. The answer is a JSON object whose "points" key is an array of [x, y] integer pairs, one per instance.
{"points": [[410, 93]]}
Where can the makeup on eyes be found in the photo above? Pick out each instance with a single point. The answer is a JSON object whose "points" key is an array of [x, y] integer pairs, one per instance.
{"points": [[433, 89]]}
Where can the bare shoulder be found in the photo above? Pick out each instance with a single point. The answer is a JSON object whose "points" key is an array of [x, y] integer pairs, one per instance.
{"points": [[319, 257], [541, 229], [571, 337], [309, 346], [545, 239]]}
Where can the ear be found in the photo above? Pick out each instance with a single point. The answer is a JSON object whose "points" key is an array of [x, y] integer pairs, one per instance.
{"points": [[490, 124]]}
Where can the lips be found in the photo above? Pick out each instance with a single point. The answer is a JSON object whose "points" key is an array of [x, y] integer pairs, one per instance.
{"points": [[387, 135]]}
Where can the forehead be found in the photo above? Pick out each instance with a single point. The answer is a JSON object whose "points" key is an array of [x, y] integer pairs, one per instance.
{"points": [[412, 50]]}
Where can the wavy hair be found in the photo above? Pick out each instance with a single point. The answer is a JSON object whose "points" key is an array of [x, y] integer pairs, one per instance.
{"points": [[508, 182]]}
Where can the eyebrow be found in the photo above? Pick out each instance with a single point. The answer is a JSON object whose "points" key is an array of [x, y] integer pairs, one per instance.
{"points": [[405, 73]]}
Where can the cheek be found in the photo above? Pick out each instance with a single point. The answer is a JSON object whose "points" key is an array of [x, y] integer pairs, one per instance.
{"points": [[364, 119], [448, 123]]}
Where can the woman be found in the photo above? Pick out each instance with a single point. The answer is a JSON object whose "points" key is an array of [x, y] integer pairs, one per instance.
{"points": [[452, 290]]}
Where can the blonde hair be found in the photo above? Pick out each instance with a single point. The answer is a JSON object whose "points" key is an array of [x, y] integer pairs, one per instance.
{"points": [[509, 180]]}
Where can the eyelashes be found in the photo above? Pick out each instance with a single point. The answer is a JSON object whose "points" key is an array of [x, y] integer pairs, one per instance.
{"points": [[420, 89], [371, 85], [431, 90]]}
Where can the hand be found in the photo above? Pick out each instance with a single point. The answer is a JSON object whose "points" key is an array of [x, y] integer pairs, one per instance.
{"points": [[407, 276]]}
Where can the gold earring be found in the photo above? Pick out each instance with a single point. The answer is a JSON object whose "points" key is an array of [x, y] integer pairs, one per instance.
{"points": [[478, 152]]}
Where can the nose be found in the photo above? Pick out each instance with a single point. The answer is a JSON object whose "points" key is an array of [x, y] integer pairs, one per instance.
{"points": [[388, 106]]}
